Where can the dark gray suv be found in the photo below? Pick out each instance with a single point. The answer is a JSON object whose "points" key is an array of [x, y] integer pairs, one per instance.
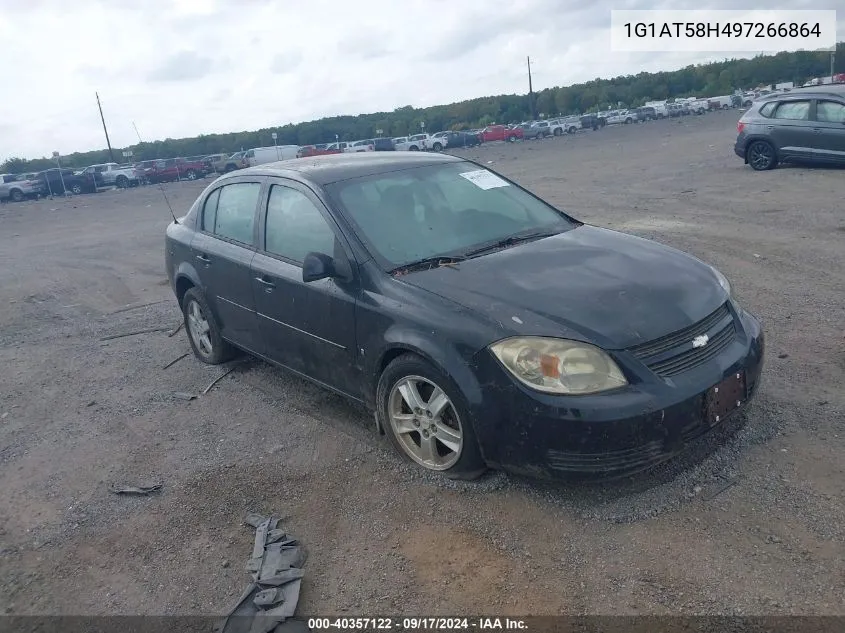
{"points": [[807, 124]]}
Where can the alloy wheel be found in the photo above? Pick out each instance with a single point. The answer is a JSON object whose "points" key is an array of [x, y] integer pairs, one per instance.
{"points": [[761, 156], [425, 422], [199, 328]]}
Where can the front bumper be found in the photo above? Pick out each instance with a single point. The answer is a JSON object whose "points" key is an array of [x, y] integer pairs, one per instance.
{"points": [[617, 433]]}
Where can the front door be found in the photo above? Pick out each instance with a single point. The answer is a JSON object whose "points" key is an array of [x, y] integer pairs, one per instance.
{"points": [[829, 129], [307, 327], [223, 250]]}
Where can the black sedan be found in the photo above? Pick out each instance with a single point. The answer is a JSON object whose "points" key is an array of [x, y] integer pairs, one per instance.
{"points": [[482, 325]]}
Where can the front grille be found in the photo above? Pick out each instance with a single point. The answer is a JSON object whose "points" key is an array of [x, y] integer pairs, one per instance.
{"points": [[674, 354]]}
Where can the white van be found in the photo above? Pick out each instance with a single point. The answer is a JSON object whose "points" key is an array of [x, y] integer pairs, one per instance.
{"points": [[263, 155]]}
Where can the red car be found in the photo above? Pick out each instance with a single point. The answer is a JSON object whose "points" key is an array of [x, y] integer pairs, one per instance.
{"points": [[169, 169], [315, 150], [501, 133]]}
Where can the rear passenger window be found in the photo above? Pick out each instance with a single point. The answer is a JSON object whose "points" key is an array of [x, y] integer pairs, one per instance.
{"points": [[235, 217], [830, 112], [793, 111], [768, 108]]}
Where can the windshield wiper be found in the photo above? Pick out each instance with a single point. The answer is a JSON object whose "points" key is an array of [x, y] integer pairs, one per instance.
{"points": [[517, 238], [428, 262]]}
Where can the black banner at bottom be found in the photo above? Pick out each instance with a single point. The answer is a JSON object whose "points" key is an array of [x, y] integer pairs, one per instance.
{"points": [[527, 624]]}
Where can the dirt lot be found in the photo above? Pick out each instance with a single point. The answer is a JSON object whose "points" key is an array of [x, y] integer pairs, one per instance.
{"points": [[80, 414]]}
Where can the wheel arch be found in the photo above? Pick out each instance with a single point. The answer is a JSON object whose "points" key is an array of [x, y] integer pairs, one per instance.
{"points": [[445, 359]]}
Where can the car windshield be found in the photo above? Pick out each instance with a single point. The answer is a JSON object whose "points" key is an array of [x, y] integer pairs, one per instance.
{"points": [[445, 210]]}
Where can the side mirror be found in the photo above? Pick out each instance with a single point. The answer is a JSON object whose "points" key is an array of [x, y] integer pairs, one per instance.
{"points": [[317, 266]]}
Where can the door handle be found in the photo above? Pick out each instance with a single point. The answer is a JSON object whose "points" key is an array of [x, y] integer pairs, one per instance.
{"points": [[770, 127], [265, 282], [203, 258], [817, 130]]}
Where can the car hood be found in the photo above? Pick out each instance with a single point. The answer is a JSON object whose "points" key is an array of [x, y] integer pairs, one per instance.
{"points": [[608, 288]]}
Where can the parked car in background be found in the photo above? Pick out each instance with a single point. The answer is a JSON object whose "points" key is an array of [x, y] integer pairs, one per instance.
{"points": [[264, 155], [568, 125], [383, 144], [352, 256], [721, 103], [699, 106], [339, 146], [360, 146], [644, 113], [230, 163], [615, 117], [170, 169], [501, 133], [114, 175], [415, 143], [315, 150], [538, 129], [57, 181], [593, 121], [462, 139], [805, 124], [18, 187]]}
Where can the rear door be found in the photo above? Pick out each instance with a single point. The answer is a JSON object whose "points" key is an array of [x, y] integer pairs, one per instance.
{"points": [[829, 130], [307, 327], [223, 249], [791, 128]]}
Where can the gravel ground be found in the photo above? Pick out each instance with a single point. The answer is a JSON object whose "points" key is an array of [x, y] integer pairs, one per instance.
{"points": [[749, 522]]}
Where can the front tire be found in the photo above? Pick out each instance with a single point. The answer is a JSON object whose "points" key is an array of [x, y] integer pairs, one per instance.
{"points": [[761, 155], [17, 195], [423, 414], [413, 148], [122, 182], [557, 131], [438, 147], [511, 138], [76, 189], [203, 333], [191, 175]]}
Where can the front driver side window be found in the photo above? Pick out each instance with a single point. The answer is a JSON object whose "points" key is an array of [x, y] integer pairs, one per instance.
{"points": [[830, 112], [295, 227]]}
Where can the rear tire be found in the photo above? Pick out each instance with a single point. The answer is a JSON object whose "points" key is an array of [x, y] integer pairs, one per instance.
{"points": [[203, 333], [17, 195], [438, 147], [761, 156], [412, 429], [557, 131], [413, 148], [191, 175], [511, 138], [122, 182], [76, 189]]}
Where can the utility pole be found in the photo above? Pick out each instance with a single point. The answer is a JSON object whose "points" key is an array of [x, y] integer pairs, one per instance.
{"points": [[530, 91], [102, 118], [832, 57]]}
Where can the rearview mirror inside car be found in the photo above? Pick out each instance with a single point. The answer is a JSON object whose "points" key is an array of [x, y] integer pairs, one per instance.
{"points": [[317, 266]]}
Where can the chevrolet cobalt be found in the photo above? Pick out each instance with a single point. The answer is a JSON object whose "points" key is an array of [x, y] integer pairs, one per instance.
{"points": [[483, 326]]}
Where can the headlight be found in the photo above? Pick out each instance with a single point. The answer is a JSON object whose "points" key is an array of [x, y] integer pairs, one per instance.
{"points": [[723, 281], [560, 366]]}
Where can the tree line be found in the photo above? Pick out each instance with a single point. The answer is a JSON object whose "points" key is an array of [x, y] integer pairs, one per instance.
{"points": [[599, 94]]}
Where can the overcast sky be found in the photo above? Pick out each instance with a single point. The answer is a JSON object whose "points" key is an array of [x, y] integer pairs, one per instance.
{"points": [[185, 67]]}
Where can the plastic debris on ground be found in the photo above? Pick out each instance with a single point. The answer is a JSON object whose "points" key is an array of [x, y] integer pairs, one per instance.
{"points": [[268, 604]]}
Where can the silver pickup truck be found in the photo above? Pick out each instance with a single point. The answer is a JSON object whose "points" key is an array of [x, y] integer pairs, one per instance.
{"points": [[113, 175], [18, 187]]}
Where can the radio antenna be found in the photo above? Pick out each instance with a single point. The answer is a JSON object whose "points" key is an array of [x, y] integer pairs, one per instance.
{"points": [[160, 188]]}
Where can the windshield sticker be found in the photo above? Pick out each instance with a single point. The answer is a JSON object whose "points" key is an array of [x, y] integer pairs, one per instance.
{"points": [[484, 179]]}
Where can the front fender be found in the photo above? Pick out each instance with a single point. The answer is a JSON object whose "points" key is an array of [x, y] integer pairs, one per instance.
{"points": [[446, 358]]}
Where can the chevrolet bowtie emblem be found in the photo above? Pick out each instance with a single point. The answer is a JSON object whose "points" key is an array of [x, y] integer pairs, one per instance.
{"points": [[700, 341]]}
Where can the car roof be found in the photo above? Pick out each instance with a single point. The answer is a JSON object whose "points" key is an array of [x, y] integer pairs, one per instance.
{"points": [[825, 89], [322, 170]]}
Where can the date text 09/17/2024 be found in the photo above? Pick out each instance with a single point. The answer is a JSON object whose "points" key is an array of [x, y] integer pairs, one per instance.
{"points": [[417, 624]]}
